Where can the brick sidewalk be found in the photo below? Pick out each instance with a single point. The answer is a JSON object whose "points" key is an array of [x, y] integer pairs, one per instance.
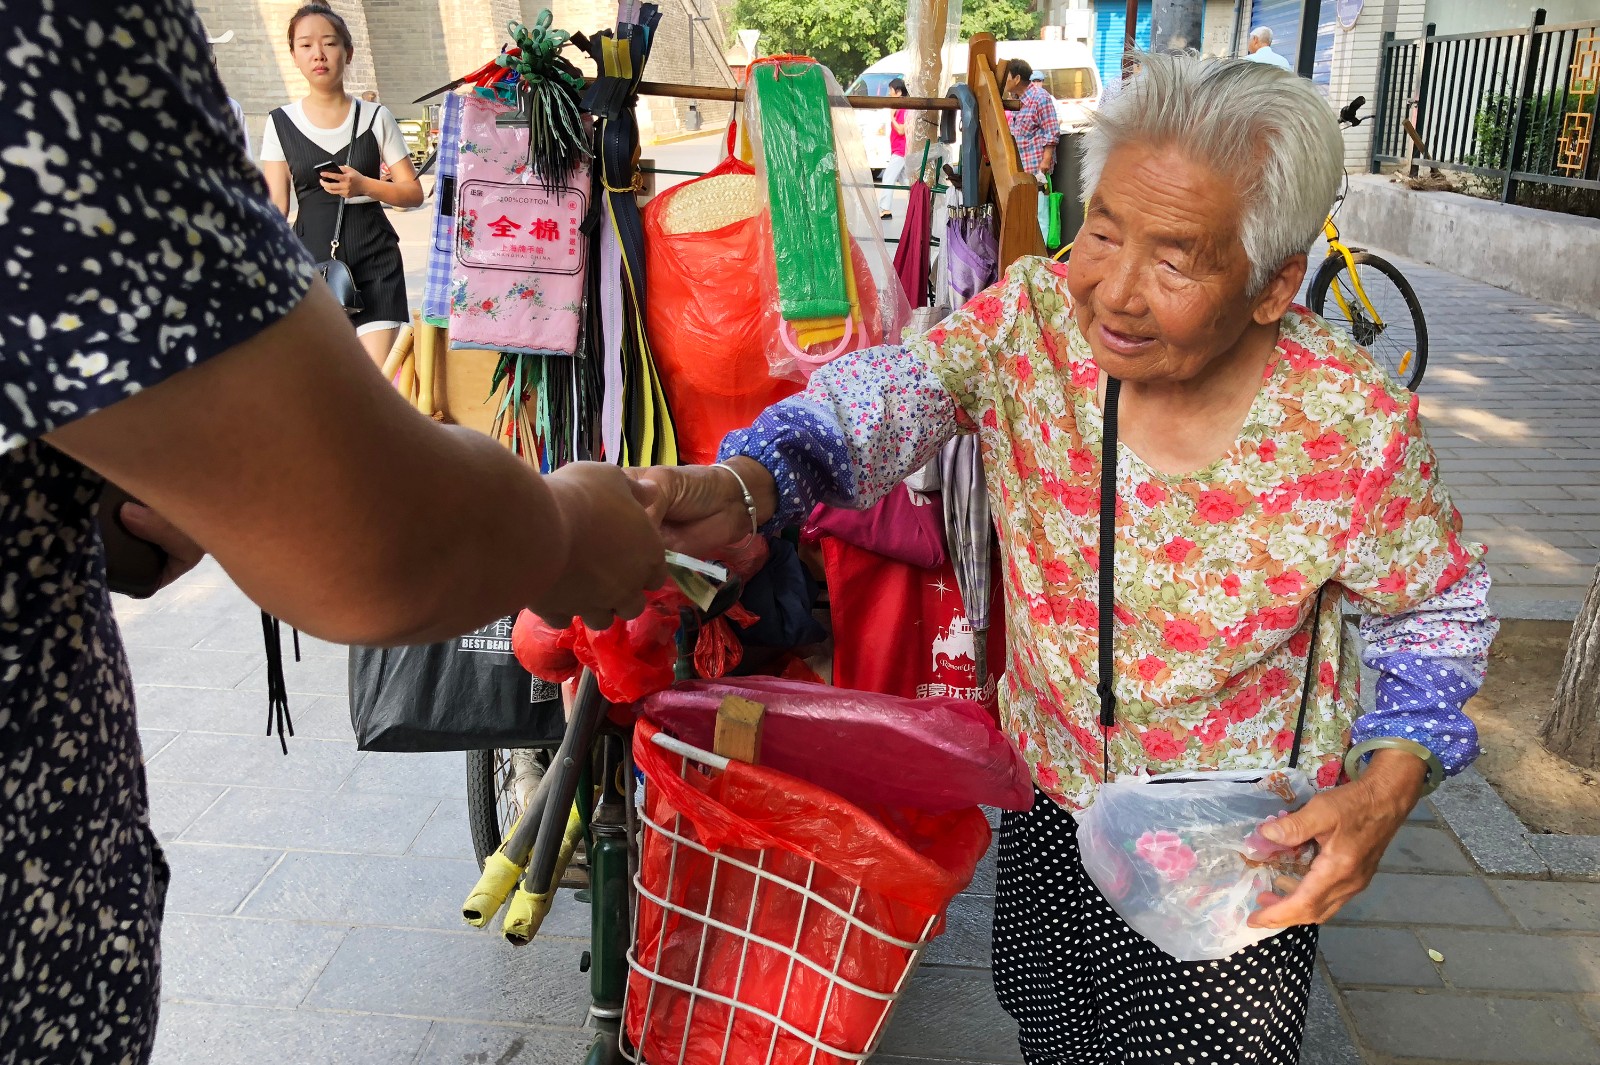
{"points": [[314, 907], [1511, 400]]}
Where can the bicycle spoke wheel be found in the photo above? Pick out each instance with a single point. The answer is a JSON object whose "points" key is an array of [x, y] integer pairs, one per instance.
{"points": [[1388, 323], [499, 783]]}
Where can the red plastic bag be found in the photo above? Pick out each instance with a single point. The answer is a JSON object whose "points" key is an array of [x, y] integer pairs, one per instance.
{"points": [[895, 880], [933, 755], [630, 659], [705, 321], [903, 630]]}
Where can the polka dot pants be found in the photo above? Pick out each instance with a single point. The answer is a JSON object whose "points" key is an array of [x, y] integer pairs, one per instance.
{"points": [[1086, 989]]}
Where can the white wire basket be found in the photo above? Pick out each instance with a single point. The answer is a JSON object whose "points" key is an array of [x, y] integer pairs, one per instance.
{"points": [[738, 993]]}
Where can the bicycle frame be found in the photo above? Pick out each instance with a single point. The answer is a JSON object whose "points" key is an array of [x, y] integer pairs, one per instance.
{"points": [[1339, 247]]}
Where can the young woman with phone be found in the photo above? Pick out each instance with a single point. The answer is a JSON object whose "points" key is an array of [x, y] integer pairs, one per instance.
{"points": [[330, 146]]}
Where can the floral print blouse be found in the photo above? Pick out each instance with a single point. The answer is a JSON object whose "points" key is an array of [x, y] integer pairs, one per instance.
{"points": [[1331, 481]]}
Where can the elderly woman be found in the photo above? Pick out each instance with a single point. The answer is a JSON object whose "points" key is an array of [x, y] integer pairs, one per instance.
{"points": [[1267, 472]]}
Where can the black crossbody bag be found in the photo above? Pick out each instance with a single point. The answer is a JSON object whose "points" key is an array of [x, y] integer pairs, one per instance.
{"points": [[334, 272]]}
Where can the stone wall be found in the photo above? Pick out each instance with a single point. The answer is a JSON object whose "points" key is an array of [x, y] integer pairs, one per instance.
{"points": [[404, 48], [1357, 53], [1542, 254]]}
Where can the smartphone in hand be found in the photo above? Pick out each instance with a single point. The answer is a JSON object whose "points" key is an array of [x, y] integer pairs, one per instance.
{"points": [[133, 566], [329, 169]]}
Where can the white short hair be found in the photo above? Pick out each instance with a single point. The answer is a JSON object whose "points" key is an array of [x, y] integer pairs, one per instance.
{"points": [[1262, 34], [1250, 122]]}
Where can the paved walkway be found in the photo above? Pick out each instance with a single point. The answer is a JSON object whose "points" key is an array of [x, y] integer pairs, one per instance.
{"points": [[313, 914]]}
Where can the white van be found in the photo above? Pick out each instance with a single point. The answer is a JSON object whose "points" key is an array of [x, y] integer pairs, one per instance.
{"points": [[1070, 76]]}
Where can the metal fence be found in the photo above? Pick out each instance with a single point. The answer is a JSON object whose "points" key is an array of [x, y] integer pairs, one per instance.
{"points": [[1509, 106]]}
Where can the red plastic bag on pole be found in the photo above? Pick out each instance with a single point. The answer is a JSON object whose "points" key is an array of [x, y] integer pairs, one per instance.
{"points": [[795, 915], [705, 320]]}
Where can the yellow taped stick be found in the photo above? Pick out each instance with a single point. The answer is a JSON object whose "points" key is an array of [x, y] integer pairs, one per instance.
{"points": [[398, 351], [527, 910], [489, 893], [427, 354]]}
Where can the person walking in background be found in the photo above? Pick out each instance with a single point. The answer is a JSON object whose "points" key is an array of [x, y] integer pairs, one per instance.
{"points": [[233, 105], [1260, 49], [1037, 127], [895, 171], [330, 147]]}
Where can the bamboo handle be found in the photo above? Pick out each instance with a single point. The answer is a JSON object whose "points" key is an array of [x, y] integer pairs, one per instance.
{"points": [[408, 379], [397, 352], [427, 353]]}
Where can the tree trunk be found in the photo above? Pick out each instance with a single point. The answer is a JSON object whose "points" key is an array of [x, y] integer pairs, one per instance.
{"points": [[1573, 728]]}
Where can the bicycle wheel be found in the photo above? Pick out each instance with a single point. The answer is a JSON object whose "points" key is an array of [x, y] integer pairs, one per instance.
{"points": [[1398, 339], [499, 783]]}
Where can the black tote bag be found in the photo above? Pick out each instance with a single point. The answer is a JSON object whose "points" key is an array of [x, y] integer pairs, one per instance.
{"points": [[466, 694]]}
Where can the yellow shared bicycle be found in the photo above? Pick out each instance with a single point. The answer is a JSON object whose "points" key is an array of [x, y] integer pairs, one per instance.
{"points": [[1368, 297]]}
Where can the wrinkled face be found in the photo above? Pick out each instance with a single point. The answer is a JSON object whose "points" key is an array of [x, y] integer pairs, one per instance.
{"points": [[319, 52], [1159, 274]]}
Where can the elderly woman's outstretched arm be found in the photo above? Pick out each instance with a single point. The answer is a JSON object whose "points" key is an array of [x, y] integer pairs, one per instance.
{"points": [[865, 422]]}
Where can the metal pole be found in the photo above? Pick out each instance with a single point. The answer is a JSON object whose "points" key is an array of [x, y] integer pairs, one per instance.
{"points": [[1381, 109], [1310, 22], [1130, 37], [1424, 72], [1519, 129]]}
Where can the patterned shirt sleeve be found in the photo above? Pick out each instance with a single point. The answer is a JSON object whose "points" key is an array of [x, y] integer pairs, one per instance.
{"points": [[870, 419], [865, 422], [136, 234], [1423, 592]]}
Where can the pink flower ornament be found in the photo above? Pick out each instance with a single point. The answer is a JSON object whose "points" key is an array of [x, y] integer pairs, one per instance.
{"points": [[1167, 854]]}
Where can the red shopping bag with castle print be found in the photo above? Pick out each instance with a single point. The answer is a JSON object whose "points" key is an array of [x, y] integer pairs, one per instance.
{"points": [[902, 630]]}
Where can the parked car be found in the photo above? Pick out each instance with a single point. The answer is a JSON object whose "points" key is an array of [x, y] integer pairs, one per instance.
{"points": [[1070, 76]]}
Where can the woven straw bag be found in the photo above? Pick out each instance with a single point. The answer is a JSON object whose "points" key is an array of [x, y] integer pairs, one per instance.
{"points": [[711, 203]]}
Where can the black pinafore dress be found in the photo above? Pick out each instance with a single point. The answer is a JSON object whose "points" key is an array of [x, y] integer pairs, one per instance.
{"points": [[368, 244]]}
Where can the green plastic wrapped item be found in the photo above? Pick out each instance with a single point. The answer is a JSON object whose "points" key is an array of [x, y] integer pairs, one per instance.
{"points": [[803, 183]]}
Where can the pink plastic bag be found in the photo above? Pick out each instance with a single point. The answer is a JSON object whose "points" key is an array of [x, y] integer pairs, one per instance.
{"points": [[933, 755]]}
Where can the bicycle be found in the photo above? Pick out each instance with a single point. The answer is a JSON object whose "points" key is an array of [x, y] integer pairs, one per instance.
{"points": [[538, 823], [1363, 286]]}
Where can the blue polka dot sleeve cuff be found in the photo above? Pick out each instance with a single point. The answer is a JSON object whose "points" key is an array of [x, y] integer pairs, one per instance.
{"points": [[1430, 661], [1421, 699], [865, 422]]}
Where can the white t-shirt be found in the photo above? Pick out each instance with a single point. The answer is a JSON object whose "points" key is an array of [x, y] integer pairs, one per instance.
{"points": [[1266, 55], [391, 142]]}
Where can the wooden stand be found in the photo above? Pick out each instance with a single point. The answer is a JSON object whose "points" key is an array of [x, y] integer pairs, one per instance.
{"points": [[1013, 191]]}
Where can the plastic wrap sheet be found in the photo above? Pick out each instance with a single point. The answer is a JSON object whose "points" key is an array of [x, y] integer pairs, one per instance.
{"points": [[705, 317], [810, 185], [518, 281], [895, 877], [1181, 858], [934, 755]]}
